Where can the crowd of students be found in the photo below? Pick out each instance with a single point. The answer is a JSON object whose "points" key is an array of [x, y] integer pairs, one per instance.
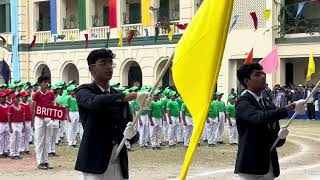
{"points": [[167, 121]]}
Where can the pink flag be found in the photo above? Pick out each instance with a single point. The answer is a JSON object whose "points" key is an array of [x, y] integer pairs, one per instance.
{"points": [[270, 62]]}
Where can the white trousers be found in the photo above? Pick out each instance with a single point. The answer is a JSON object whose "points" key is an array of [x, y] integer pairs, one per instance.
{"points": [[204, 133], [179, 131], [187, 131], [4, 137], [212, 129], [155, 132], [63, 129], [31, 137], [54, 135], [173, 130], [42, 132], [233, 132], [15, 138], [73, 128], [24, 143], [144, 131], [165, 129], [113, 171], [221, 127]]}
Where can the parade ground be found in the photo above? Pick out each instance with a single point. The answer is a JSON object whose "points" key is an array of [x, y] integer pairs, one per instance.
{"points": [[299, 159]]}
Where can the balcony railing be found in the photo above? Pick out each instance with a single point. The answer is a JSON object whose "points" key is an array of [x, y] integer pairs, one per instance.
{"points": [[307, 22], [71, 34], [136, 27], [43, 36], [99, 32], [164, 27]]}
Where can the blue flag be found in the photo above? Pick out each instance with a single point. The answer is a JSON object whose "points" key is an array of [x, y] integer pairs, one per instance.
{"points": [[300, 7]]}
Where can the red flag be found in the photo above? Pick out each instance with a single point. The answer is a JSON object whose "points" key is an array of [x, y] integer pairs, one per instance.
{"points": [[130, 37], [86, 37], [4, 41], [113, 13], [249, 59], [255, 20], [182, 26], [33, 42]]}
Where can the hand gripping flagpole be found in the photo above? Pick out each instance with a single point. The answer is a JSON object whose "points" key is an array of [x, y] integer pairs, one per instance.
{"points": [[135, 120], [295, 114]]}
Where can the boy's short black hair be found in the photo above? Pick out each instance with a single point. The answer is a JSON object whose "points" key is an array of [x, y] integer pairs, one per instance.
{"points": [[99, 54], [43, 78], [245, 71]]}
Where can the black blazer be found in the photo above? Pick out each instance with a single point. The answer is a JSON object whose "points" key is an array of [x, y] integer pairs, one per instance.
{"points": [[104, 117], [257, 129]]}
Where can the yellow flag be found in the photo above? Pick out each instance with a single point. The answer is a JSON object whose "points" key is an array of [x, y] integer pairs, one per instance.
{"points": [[170, 34], [146, 15], [267, 14], [120, 39], [197, 62], [311, 67], [72, 37]]}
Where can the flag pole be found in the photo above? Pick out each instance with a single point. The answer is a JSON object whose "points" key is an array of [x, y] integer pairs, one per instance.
{"points": [[135, 120], [295, 114]]}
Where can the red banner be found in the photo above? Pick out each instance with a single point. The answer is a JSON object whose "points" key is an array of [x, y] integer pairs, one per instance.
{"points": [[53, 112], [112, 13]]}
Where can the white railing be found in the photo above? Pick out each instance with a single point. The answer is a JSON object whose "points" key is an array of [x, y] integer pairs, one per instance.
{"points": [[71, 34], [176, 30], [99, 32], [137, 27], [43, 36]]}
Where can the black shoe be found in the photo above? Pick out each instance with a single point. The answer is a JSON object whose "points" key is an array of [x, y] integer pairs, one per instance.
{"points": [[154, 148], [6, 154], [54, 154], [2, 156], [74, 145], [220, 142], [159, 148], [205, 141], [42, 167], [50, 154], [31, 142], [27, 152], [48, 166]]}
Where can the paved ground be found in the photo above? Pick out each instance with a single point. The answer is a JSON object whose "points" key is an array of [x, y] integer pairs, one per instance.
{"points": [[299, 159]]}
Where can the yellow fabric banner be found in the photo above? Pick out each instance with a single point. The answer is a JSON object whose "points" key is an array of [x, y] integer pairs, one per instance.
{"points": [[145, 12], [197, 62]]}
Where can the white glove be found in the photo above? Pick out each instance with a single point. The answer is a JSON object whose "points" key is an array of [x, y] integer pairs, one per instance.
{"points": [[130, 131], [141, 96], [283, 133], [299, 109]]}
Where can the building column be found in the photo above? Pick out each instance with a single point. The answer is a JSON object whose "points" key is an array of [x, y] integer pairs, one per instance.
{"points": [[61, 13]]}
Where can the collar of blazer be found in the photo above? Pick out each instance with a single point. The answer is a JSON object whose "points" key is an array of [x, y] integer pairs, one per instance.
{"points": [[98, 90], [253, 99]]}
